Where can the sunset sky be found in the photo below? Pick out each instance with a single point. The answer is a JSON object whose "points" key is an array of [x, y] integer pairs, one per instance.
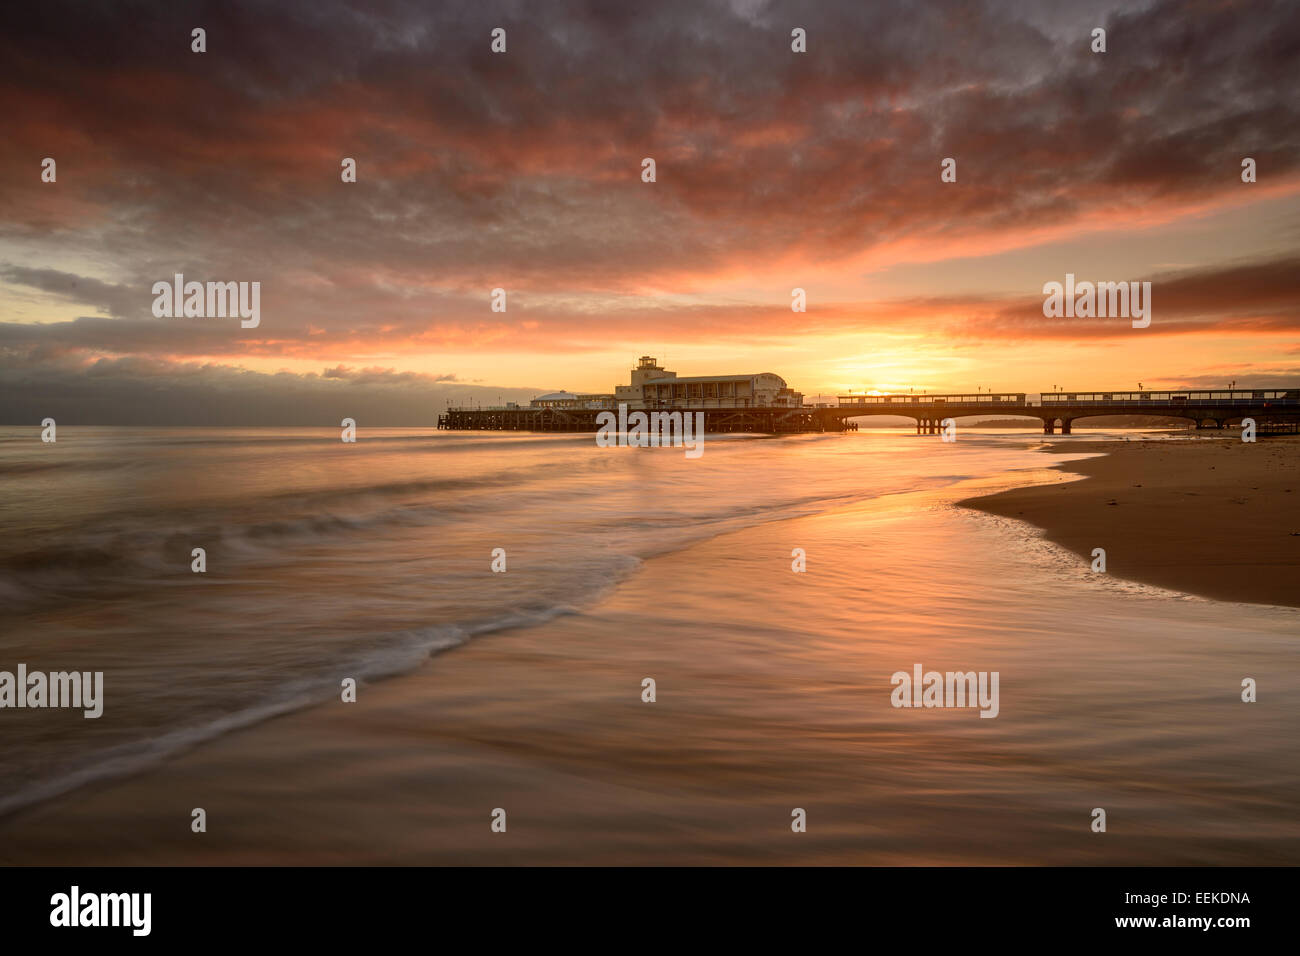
{"points": [[522, 170]]}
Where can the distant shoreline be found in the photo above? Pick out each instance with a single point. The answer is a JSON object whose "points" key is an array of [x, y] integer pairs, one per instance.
{"points": [[1219, 518]]}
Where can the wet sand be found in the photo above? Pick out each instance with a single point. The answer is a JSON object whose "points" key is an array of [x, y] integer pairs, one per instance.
{"points": [[1217, 517]]}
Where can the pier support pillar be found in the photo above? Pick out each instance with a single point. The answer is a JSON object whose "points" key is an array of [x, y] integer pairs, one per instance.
{"points": [[1065, 425], [1049, 426]]}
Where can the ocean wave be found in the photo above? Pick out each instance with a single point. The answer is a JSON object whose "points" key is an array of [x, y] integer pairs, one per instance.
{"points": [[411, 650]]}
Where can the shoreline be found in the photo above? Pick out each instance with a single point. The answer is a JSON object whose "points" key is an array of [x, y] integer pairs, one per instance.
{"points": [[1217, 518]]}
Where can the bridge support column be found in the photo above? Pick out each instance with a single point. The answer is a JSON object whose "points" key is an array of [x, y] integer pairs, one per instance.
{"points": [[1065, 425], [1049, 426]]}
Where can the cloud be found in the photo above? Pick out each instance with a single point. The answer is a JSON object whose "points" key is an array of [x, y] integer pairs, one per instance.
{"points": [[108, 297], [147, 391], [522, 171]]}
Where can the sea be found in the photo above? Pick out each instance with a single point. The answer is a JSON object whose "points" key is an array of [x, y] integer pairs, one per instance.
{"points": [[325, 561]]}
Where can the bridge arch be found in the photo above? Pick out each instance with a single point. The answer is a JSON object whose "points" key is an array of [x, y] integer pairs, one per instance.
{"points": [[1194, 418], [928, 420]]}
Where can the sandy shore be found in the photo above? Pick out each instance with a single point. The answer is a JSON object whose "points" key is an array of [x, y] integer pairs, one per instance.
{"points": [[1218, 518]]}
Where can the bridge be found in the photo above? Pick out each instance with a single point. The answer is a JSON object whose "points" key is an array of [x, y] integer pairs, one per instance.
{"points": [[1272, 409]]}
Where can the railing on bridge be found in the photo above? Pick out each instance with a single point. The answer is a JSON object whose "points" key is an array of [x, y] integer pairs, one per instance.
{"points": [[1173, 398], [1176, 397], [1009, 399]]}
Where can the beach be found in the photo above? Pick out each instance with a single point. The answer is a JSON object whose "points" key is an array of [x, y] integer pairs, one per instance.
{"points": [[1215, 517], [773, 692]]}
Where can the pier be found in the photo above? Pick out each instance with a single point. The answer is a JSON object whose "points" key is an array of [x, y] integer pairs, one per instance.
{"points": [[772, 420], [1275, 411]]}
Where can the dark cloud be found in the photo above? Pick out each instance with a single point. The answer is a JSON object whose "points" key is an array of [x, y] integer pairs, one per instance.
{"points": [[136, 391], [110, 299], [474, 165], [1238, 299]]}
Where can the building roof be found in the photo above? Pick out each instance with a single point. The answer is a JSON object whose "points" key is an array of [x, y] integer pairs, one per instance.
{"points": [[709, 378], [556, 397]]}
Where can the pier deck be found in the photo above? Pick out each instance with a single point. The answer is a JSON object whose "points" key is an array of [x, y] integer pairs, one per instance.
{"points": [[765, 420]]}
